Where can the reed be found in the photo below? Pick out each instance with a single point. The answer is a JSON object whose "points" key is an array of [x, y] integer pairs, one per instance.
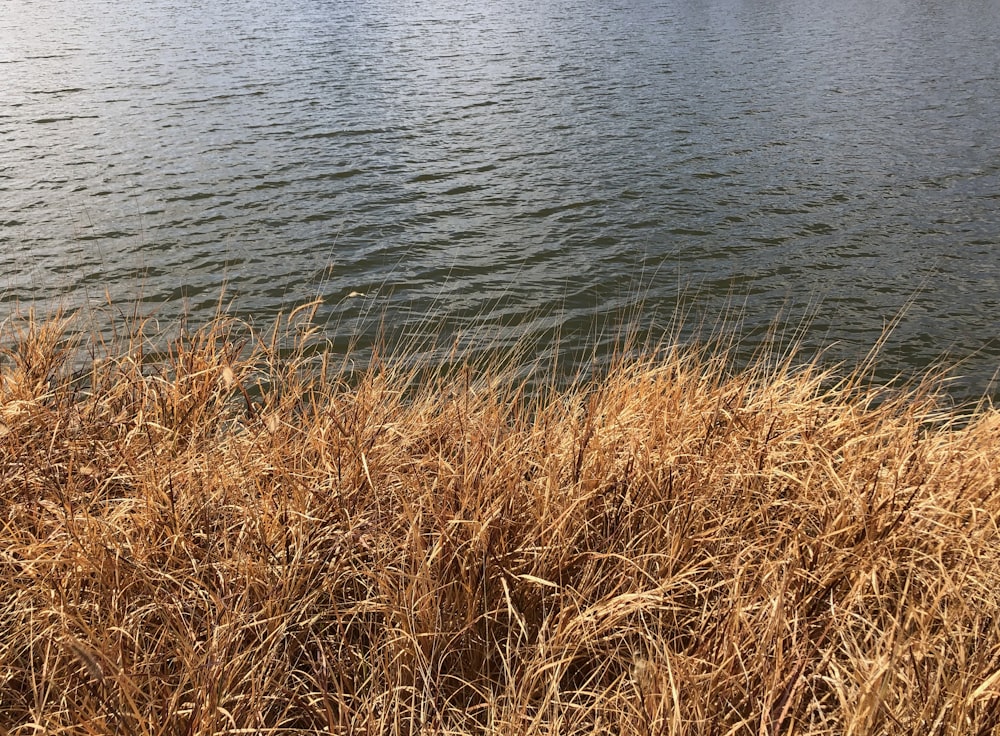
{"points": [[232, 532]]}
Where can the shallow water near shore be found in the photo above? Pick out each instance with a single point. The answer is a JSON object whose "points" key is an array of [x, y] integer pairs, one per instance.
{"points": [[516, 170]]}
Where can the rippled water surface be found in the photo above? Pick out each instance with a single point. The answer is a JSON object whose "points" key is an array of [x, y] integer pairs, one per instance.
{"points": [[537, 165]]}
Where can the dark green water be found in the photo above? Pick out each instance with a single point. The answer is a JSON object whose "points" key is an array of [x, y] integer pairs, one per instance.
{"points": [[515, 169]]}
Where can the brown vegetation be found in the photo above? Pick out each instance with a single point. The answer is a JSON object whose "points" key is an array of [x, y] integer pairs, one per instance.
{"points": [[226, 537]]}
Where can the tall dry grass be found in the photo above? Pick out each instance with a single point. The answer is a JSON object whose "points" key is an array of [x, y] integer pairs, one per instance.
{"points": [[227, 536]]}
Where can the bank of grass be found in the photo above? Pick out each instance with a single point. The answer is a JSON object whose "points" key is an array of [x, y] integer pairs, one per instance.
{"points": [[228, 536]]}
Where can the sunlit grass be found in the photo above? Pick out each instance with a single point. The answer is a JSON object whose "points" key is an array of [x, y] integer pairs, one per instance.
{"points": [[226, 535]]}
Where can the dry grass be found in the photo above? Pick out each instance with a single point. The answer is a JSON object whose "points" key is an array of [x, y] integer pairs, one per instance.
{"points": [[229, 537]]}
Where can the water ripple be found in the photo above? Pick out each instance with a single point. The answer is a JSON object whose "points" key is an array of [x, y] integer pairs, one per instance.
{"points": [[540, 166]]}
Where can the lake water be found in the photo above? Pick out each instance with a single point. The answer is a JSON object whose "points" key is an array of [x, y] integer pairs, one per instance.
{"points": [[509, 168]]}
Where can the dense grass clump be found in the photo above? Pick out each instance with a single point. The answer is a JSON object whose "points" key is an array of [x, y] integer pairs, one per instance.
{"points": [[226, 535]]}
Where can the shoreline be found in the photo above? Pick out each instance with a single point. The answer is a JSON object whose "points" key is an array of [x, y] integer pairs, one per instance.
{"points": [[228, 534]]}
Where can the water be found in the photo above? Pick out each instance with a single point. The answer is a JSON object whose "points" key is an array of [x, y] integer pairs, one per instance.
{"points": [[514, 168]]}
